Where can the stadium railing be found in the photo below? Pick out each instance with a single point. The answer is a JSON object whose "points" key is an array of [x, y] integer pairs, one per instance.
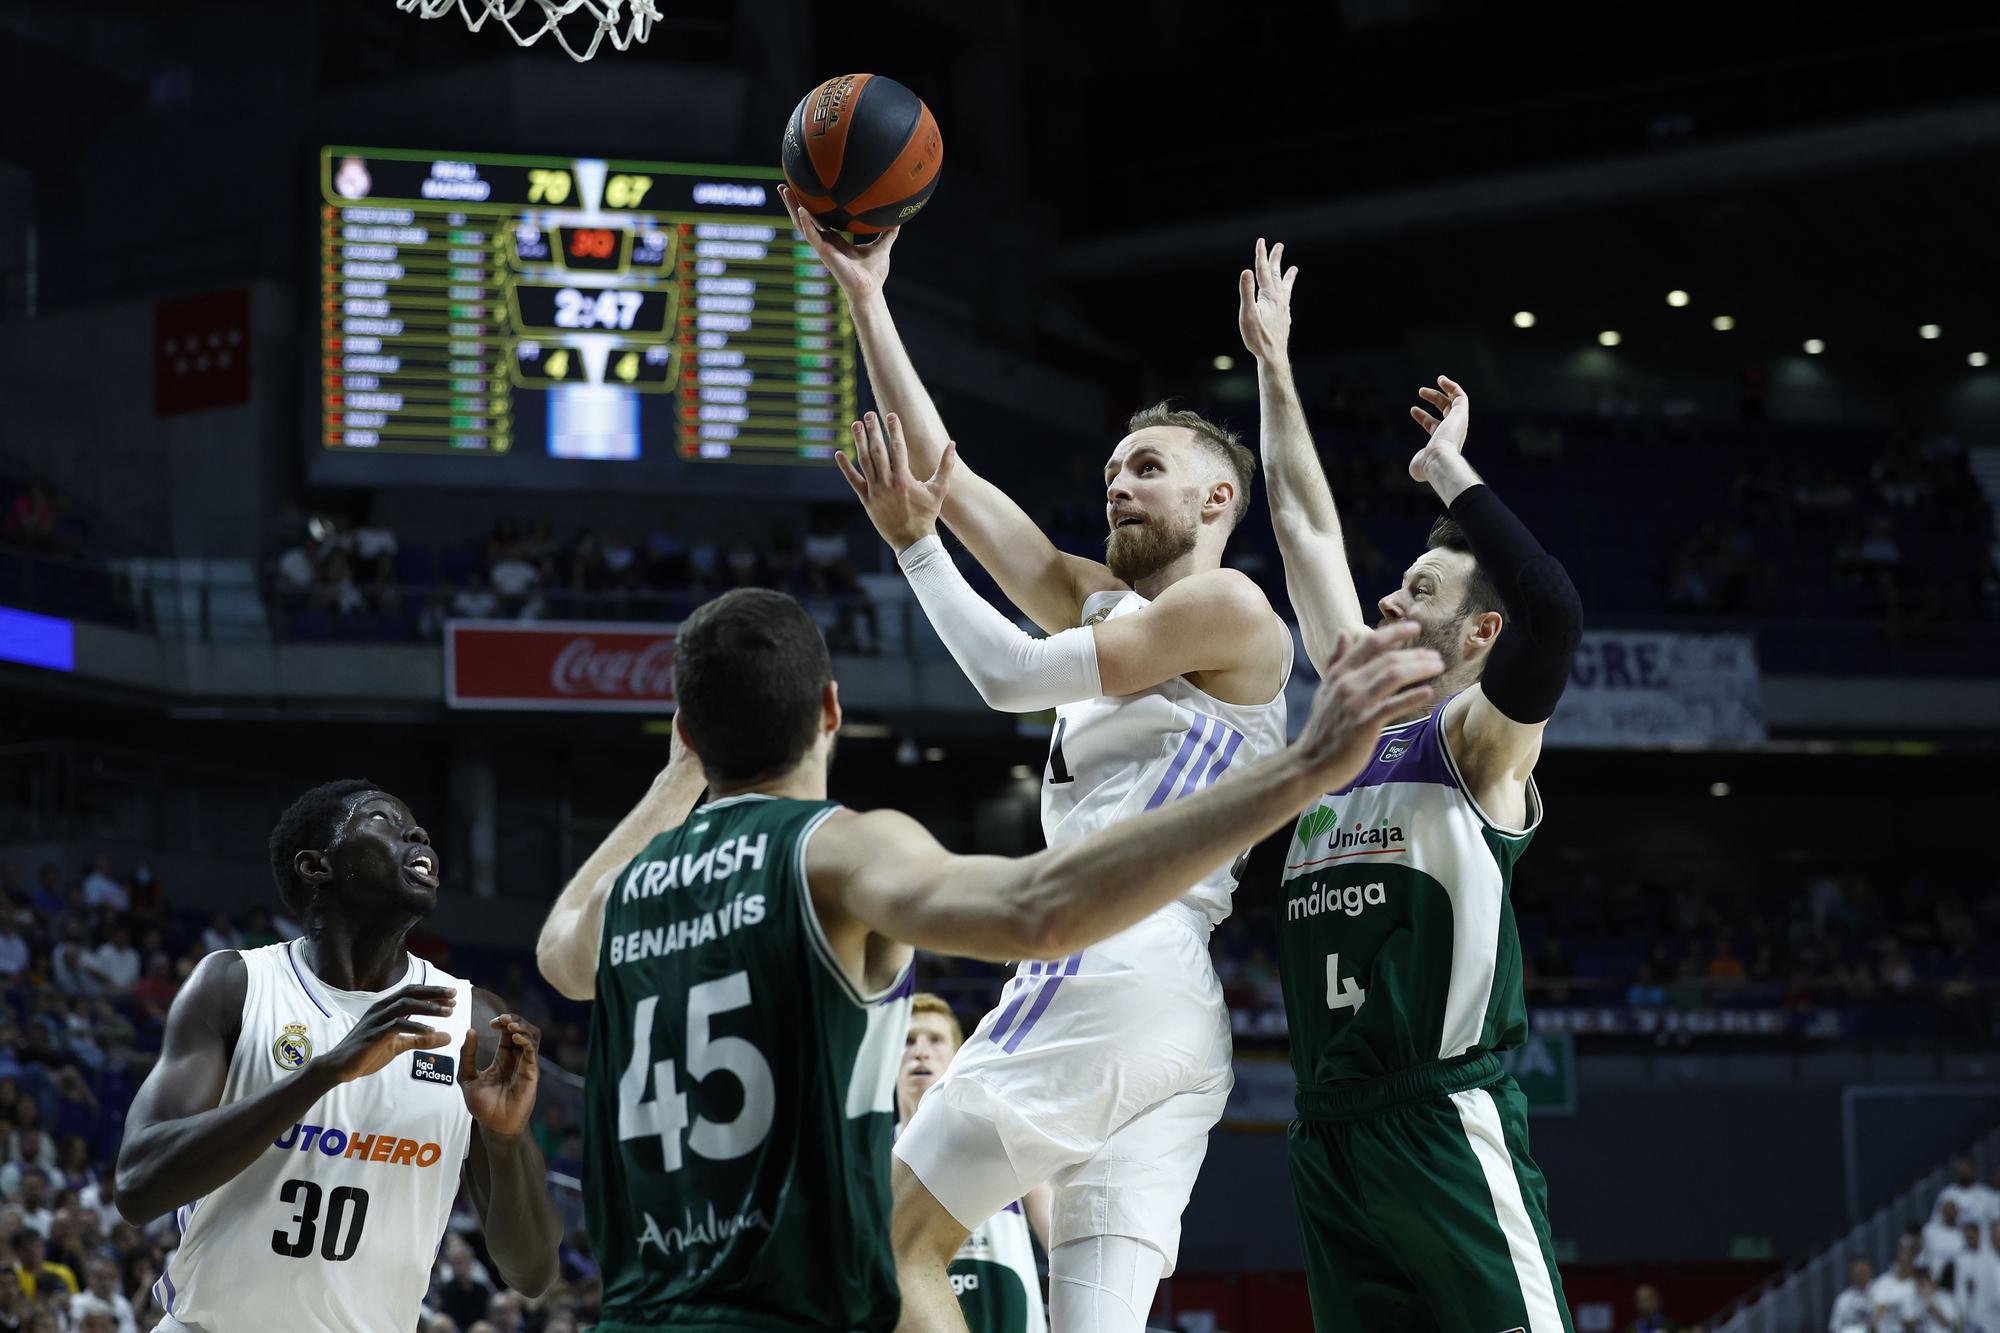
{"points": [[1801, 1301]]}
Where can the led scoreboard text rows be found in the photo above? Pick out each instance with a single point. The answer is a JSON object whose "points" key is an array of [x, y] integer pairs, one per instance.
{"points": [[463, 297]]}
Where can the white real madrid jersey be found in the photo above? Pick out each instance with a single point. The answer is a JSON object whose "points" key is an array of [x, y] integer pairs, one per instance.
{"points": [[335, 1226], [1113, 758]]}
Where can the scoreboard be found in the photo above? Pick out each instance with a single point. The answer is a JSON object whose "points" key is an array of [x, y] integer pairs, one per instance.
{"points": [[574, 309]]}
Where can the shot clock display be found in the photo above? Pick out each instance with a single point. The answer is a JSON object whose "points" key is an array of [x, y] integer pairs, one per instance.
{"points": [[572, 309]]}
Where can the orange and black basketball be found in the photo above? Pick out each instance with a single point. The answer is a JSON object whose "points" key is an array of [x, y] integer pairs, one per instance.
{"points": [[862, 153]]}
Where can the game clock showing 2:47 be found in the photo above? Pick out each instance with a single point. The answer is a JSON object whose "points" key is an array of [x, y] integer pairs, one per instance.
{"points": [[547, 308]]}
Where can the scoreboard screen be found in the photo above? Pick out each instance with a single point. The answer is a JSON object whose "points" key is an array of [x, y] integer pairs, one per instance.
{"points": [[580, 321]]}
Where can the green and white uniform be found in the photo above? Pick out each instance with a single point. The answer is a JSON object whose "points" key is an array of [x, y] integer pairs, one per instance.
{"points": [[742, 1091], [995, 1278], [1419, 1206]]}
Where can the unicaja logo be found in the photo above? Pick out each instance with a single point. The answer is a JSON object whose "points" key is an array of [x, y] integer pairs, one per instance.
{"points": [[583, 668], [1320, 831], [1315, 822]]}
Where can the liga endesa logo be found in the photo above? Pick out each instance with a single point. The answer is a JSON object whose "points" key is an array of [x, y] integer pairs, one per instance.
{"points": [[570, 667]]}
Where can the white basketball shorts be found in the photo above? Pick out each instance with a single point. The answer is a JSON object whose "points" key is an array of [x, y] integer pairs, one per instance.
{"points": [[1101, 1073]]}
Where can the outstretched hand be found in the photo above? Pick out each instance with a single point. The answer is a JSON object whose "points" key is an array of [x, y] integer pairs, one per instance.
{"points": [[501, 1096], [1448, 434], [904, 508], [859, 269], [1264, 302]]}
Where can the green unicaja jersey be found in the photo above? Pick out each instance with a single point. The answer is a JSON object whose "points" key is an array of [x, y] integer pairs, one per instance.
{"points": [[740, 1090], [1397, 945]]}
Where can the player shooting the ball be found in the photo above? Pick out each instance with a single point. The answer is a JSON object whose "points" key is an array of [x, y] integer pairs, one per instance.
{"points": [[1100, 1073]]}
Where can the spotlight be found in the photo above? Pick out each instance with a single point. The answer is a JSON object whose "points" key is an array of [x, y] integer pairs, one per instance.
{"points": [[933, 755], [1976, 360], [1929, 332], [1021, 773], [1718, 789], [1814, 347], [1224, 362], [1723, 323], [1524, 319], [1677, 298], [1609, 338]]}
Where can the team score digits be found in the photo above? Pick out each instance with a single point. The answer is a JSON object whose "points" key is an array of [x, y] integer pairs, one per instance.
{"points": [[626, 191], [548, 186], [346, 1214], [664, 1114]]}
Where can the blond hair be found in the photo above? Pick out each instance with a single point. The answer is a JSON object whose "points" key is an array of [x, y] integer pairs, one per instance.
{"points": [[923, 1002], [1217, 439]]}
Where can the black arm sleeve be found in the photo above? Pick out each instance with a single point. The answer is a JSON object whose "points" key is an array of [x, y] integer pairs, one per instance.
{"points": [[1528, 664]]}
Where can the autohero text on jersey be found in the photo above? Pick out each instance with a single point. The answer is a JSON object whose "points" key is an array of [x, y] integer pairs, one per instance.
{"points": [[334, 1142]]}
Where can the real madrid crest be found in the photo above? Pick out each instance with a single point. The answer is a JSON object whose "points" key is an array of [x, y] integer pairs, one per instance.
{"points": [[293, 1047]]}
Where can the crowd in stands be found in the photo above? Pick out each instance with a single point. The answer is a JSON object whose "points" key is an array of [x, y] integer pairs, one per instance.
{"points": [[343, 574], [1895, 954], [1943, 1278], [89, 964]]}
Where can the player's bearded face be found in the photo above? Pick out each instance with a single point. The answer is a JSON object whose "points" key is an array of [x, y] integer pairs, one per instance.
{"points": [[1135, 551]]}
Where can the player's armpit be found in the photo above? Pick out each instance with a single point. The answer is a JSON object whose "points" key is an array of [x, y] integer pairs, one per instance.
{"points": [[1214, 622], [1495, 754], [187, 1080], [884, 873]]}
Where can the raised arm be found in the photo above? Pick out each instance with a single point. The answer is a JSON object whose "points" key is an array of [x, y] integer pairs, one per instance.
{"points": [[179, 1143], [883, 873], [1215, 624], [1310, 539], [566, 951], [1048, 585], [1496, 726]]}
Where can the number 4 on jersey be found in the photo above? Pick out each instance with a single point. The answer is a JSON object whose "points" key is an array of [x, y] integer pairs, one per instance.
{"points": [[1342, 992]]}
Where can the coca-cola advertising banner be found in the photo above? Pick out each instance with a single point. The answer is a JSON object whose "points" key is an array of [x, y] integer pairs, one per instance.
{"points": [[580, 666]]}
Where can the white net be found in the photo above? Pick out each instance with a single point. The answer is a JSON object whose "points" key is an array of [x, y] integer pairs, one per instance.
{"points": [[623, 21]]}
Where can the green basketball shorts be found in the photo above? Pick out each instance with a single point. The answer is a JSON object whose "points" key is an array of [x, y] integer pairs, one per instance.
{"points": [[1419, 1208]]}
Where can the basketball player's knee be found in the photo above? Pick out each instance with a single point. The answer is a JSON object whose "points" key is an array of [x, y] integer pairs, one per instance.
{"points": [[921, 1229]]}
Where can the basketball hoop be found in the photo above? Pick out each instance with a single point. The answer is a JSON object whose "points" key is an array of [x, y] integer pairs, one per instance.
{"points": [[636, 17]]}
